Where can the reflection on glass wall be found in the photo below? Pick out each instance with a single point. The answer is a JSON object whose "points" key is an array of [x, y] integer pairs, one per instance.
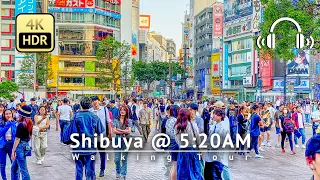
{"points": [[240, 71]]}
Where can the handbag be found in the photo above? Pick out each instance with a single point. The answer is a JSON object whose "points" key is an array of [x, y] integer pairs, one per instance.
{"points": [[35, 130]]}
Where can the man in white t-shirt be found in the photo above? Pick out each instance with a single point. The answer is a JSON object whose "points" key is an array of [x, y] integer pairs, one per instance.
{"points": [[64, 115], [299, 126], [307, 113]]}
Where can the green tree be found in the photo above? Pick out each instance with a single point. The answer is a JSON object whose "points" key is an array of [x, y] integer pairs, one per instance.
{"points": [[143, 72], [153, 71], [304, 12], [7, 88], [26, 76], [112, 55]]}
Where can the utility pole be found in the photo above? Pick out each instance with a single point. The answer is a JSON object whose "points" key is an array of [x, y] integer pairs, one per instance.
{"points": [[184, 68], [285, 82]]}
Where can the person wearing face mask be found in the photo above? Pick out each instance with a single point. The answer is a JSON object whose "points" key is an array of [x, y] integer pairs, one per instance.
{"points": [[312, 155], [286, 127]]}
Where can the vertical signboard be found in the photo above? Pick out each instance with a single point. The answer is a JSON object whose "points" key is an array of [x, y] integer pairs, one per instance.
{"points": [[215, 79], [266, 69], [256, 19], [25, 6], [217, 20], [144, 21], [226, 64]]}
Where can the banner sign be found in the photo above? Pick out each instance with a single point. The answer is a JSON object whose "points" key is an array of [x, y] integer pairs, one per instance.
{"points": [[25, 6], [144, 21], [299, 66], [236, 30], [256, 18], [226, 64], [85, 10], [279, 84], [217, 19], [266, 69], [235, 9]]}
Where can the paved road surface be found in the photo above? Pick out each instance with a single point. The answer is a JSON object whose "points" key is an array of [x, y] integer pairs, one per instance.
{"points": [[59, 165]]}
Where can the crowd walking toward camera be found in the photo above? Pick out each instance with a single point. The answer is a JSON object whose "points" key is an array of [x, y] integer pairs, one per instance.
{"points": [[24, 128]]}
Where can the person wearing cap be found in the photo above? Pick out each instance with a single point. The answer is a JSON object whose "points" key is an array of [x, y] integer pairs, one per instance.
{"points": [[312, 155], [225, 122], [255, 125], [21, 147], [64, 115], [103, 114], [297, 117], [34, 107], [193, 108], [114, 110], [145, 118]]}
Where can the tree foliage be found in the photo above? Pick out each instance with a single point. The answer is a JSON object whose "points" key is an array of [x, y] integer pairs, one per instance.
{"points": [[7, 88], [154, 71], [112, 55], [26, 76], [285, 32]]}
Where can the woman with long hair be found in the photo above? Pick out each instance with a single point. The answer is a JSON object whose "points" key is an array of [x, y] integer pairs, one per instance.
{"points": [[40, 139], [122, 128], [286, 131], [172, 112], [21, 147], [7, 135], [189, 167]]}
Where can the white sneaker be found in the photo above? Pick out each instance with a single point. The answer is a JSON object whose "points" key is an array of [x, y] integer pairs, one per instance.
{"points": [[277, 145], [303, 146], [263, 143], [268, 145], [258, 156], [42, 159], [297, 146], [260, 149], [39, 162]]}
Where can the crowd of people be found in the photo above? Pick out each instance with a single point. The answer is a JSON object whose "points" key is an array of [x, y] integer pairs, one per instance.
{"points": [[21, 122]]}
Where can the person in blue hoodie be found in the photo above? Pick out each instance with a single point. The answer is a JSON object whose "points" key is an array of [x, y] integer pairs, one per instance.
{"points": [[8, 130]]}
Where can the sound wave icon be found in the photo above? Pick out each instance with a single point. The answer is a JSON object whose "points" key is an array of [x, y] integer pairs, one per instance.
{"points": [[261, 41]]}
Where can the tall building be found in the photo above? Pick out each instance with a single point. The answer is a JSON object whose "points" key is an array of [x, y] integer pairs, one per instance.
{"points": [[7, 37], [171, 49], [203, 47], [80, 29], [238, 51], [150, 48]]}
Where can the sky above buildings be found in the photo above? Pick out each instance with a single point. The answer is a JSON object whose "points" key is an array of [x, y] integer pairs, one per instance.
{"points": [[166, 17]]}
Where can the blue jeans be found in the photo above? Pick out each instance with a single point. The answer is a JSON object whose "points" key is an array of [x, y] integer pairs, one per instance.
{"points": [[20, 163], [63, 125], [121, 168], [254, 144], [303, 135], [6, 150], [85, 161], [307, 118]]}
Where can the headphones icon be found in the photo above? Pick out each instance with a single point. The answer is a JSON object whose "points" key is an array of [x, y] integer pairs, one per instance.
{"points": [[300, 39]]}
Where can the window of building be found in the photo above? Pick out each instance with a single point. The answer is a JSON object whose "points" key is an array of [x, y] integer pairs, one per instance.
{"points": [[6, 59], [5, 12], [81, 17], [74, 16], [67, 16], [6, 43], [6, 28]]}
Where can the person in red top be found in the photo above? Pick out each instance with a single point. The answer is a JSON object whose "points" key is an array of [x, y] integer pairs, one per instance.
{"points": [[297, 117]]}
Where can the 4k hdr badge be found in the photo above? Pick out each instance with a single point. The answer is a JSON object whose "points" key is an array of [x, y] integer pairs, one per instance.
{"points": [[35, 32]]}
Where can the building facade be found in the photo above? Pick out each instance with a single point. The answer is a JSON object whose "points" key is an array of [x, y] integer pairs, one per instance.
{"points": [[171, 49], [150, 48], [238, 50], [203, 49], [80, 29]]}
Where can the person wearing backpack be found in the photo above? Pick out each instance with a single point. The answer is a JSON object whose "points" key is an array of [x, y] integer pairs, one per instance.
{"points": [[286, 128]]}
